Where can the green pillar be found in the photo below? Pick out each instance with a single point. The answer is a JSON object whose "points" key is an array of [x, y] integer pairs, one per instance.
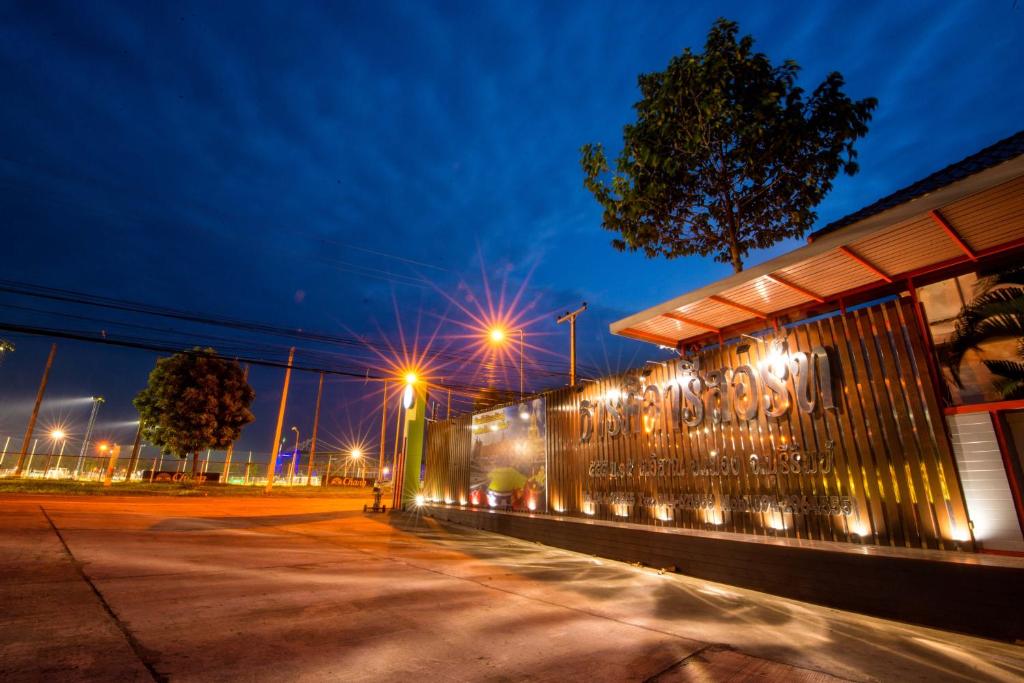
{"points": [[415, 424]]}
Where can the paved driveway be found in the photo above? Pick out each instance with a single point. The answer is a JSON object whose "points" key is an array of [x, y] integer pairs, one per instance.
{"points": [[313, 589]]}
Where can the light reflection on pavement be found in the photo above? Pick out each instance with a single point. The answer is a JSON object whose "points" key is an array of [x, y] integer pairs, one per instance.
{"points": [[260, 589]]}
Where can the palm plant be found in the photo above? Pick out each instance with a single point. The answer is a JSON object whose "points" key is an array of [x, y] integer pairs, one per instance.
{"points": [[997, 312]]}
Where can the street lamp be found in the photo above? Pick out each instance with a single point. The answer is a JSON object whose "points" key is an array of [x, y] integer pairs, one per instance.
{"points": [[498, 335], [55, 436], [357, 455], [409, 397]]}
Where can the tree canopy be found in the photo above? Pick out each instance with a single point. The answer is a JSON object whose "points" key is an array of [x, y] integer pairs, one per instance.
{"points": [[194, 400], [727, 153]]}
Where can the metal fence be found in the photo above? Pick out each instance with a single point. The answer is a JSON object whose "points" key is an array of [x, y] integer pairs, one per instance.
{"points": [[242, 469]]}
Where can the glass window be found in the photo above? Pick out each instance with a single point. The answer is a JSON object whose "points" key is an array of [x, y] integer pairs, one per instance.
{"points": [[944, 303]]}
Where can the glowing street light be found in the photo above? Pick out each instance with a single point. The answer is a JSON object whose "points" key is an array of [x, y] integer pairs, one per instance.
{"points": [[56, 434], [498, 335], [409, 396], [356, 455]]}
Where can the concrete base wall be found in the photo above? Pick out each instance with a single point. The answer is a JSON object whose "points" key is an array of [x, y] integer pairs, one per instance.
{"points": [[977, 594]]}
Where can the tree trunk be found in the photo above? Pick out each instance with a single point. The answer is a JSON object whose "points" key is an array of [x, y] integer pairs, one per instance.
{"points": [[195, 464], [737, 262]]}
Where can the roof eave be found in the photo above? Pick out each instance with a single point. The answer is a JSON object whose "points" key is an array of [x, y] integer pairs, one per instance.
{"points": [[990, 177]]}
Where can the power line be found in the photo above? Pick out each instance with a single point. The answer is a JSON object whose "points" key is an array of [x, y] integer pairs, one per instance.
{"points": [[148, 345], [545, 368]]}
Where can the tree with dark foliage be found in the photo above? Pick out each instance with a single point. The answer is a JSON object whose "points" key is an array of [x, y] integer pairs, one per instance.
{"points": [[194, 400], [727, 153]]}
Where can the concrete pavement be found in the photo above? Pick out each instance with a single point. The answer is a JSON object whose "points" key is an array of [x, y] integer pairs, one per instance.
{"points": [[313, 589]]}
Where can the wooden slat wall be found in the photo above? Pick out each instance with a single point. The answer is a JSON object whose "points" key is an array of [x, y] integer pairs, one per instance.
{"points": [[891, 453], [447, 453]]}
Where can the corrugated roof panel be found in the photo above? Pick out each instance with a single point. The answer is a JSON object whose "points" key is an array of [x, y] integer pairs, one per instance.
{"points": [[829, 274], [712, 313], [764, 296], [911, 247]]}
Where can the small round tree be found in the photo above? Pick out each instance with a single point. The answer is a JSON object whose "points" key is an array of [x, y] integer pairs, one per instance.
{"points": [[727, 153], [194, 400]]}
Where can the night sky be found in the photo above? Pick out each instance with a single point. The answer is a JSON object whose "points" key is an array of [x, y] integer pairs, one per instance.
{"points": [[356, 168]]}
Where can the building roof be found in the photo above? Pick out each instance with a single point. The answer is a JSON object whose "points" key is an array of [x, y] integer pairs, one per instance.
{"points": [[968, 211], [1005, 149]]}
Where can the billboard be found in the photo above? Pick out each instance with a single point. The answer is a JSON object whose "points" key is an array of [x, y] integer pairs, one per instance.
{"points": [[508, 460]]}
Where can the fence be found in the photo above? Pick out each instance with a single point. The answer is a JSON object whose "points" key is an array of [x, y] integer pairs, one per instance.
{"points": [[241, 469]]}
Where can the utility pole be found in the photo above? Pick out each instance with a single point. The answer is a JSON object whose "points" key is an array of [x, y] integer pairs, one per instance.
{"points": [[272, 465], [35, 411], [383, 429], [231, 447], [316, 423], [571, 317], [97, 401]]}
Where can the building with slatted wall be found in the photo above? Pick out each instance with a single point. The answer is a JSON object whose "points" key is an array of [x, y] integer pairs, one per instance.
{"points": [[811, 405]]}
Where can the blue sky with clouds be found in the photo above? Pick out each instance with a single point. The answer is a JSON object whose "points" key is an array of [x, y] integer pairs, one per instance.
{"points": [[259, 160]]}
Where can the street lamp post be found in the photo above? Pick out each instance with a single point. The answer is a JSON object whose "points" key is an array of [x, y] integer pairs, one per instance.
{"points": [[55, 436], [295, 456], [498, 335], [357, 455], [97, 401]]}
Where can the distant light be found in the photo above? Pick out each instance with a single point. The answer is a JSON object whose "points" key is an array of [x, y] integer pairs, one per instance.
{"points": [[103, 447], [356, 453], [387, 471], [524, 412], [497, 335], [57, 435], [420, 500], [411, 378], [531, 504]]}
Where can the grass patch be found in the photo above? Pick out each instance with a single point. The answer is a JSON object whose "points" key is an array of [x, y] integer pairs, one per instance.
{"points": [[92, 488]]}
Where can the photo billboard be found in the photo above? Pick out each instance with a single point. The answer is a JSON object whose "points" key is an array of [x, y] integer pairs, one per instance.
{"points": [[508, 461]]}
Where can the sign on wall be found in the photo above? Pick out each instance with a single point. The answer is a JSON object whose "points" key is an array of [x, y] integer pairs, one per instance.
{"points": [[828, 429], [508, 457]]}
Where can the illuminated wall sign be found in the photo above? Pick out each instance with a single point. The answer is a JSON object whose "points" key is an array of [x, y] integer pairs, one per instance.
{"points": [[720, 395], [833, 432]]}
